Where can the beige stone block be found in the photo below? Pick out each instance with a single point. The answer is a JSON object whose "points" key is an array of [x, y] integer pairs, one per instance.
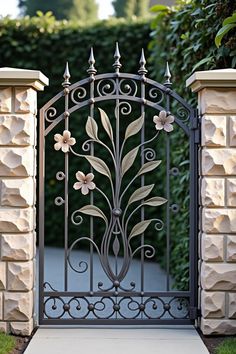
{"points": [[218, 100], [232, 305], [17, 161], [16, 220], [25, 100], [212, 247], [3, 327], [22, 328], [18, 306], [17, 192], [213, 304], [231, 249], [232, 131], [218, 276], [17, 130], [17, 247], [5, 99], [231, 191], [218, 162], [212, 192], [213, 130], [1, 305], [218, 220], [2, 275], [217, 327], [20, 276]]}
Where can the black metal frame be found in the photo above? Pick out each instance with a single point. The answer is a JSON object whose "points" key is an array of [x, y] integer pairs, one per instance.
{"points": [[102, 88]]}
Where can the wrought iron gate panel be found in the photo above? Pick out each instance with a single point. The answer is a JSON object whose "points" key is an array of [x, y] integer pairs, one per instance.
{"points": [[160, 111]]}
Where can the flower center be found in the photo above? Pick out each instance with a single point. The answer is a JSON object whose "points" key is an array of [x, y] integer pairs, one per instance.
{"points": [[65, 141]]}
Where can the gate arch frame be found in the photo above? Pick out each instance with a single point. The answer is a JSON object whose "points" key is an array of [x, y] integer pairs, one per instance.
{"points": [[48, 112]]}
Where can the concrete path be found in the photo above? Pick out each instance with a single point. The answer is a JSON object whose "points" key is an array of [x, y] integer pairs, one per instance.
{"points": [[117, 341]]}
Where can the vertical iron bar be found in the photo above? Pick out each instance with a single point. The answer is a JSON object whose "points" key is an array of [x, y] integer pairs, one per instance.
{"points": [[66, 198], [41, 214], [91, 71], [168, 202], [91, 193], [193, 217]]}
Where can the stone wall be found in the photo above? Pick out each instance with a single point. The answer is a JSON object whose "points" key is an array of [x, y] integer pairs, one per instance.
{"points": [[217, 238], [18, 106]]}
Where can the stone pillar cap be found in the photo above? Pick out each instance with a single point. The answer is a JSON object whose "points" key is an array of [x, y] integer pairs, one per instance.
{"points": [[212, 78], [22, 77]]}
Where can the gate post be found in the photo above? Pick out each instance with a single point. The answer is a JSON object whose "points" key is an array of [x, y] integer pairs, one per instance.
{"points": [[217, 228], [18, 107]]}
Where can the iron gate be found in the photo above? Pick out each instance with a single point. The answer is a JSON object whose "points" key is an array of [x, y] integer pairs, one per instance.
{"points": [[118, 168]]}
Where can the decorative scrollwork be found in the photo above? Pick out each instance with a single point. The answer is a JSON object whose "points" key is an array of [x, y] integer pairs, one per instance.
{"points": [[59, 201], [156, 94], [78, 94], [50, 114], [106, 87], [128, 87], [183, 114], [76, 218], [124, 108], [60, 176], [149, 154], [108, 307]]}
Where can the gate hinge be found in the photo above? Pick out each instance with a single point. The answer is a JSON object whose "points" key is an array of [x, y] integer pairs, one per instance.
{"points": [[194, 313]]}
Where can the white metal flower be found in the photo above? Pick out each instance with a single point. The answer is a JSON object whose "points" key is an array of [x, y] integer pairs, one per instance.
{"points": [[85, 182], [64, 141], [163, 121]]}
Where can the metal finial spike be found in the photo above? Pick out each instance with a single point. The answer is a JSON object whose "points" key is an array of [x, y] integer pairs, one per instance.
{"points": [[142, 70], [91, 70], [167, 75], [117, 65], [66, 76]]}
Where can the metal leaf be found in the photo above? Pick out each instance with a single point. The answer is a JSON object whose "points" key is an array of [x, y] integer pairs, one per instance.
{"points": [[148, 166], [106, 123], [92, 210], [92, 128], [116, 246], [139, 228], [155, 201], [128, 160], [99, 165], [140, 193], [134, 127]]}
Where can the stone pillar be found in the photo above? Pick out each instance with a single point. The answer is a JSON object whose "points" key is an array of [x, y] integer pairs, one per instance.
{"points": [[18, 107], [217, 155]]}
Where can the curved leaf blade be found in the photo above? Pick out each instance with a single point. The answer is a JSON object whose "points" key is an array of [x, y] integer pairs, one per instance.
{"points": [[92, 128], [99, 165], [134, 127], [128, 160], [155, 201], [140, 193], [92, 210], [106, 123], [222, 32], [148, 166], [139, 228]]}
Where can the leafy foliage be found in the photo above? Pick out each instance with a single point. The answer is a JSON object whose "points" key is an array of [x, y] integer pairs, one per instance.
{"points": [[129, 8], [82, 10], [181, 36], [228, 24], [228, 346]]}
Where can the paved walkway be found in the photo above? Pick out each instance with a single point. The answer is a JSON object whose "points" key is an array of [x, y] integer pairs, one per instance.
{"points": [[116, 341]]}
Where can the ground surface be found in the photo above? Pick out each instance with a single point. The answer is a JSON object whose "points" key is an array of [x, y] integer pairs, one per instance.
{"points": [[117, 340]]}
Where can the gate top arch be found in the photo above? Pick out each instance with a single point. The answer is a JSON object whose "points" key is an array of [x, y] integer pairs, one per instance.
{"points": [[117, 85]]}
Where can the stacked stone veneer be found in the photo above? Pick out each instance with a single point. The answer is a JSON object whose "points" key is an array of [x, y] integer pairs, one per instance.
{"points": [[17, 201], [217, 238]]}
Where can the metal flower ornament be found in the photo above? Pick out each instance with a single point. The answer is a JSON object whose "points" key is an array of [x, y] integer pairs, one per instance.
{"points": [[164, 121], [64, 141], [85, 182]]}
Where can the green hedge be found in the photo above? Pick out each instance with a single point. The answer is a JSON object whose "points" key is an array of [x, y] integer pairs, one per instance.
{"points": [[185, 36]]}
